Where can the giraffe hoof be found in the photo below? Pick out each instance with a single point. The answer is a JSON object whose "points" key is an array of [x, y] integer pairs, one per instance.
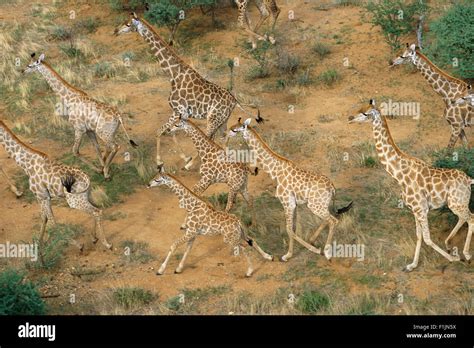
{"points": [[109, 247], [177, 271], [95, 240], [81, 248], [159, 273], [283, 259]]}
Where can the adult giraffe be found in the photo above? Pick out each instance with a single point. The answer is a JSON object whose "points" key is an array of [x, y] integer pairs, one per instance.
{"points": [[190, 92], [448, 87]]}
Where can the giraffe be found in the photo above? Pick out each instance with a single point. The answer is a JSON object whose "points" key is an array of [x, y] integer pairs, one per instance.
{"points": [[49, 179], [87, 115], [423, 187], [203, 219], [10, 183], [189, 90], [294, 186], [449, 88], [216, 167], [265, 7]]}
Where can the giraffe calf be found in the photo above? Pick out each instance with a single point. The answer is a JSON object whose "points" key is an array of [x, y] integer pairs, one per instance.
{"points": [[49, 179], [203, 219], [215, 166]]}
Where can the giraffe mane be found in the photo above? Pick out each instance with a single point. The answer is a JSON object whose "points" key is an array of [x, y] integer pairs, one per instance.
{"points": [[264, 144], [394, 145], [442, 72], [189, 190], [8, 130], [55, 73], [209, 141], [168, 47]]}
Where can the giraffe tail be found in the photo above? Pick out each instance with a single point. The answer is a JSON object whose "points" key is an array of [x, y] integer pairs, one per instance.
{"points": [[68, 181], [259, 118], [133, 143], [345, 209]]}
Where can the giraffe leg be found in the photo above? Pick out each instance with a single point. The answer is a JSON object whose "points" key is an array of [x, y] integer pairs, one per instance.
{"points": [[230, 200], [190, 234], [185, 255], [289, 214], [249, 261], [463, 137], [113, 149], [427, 239], [80, 201], [93, 139], [163, 129], [249, 200], [332, 227], [264, 14], [455, 135], [202, 185], [318, 231], [188, 160], [13, 188], [467, 244], [455, 230], [75, 150], [419, 237]]}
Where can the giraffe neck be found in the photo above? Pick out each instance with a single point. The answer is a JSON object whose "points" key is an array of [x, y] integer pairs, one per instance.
{"points": [[62, 88], [271, 162], [242, 4], [23, 155], [449, 88], [169, 61], [187, 199], [389, 154], [203, 144]]}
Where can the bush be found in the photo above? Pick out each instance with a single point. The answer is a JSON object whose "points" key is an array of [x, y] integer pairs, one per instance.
{"points": [[56, 240], [451, 38], [329, 77], [396, 18], [61, 33], [287, 63], [129, 297], [321, 49], [19, 296], [312, 301], [104, 69], [170, 13]]}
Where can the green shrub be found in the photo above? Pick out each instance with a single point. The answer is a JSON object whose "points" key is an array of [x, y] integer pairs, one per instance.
{"points": [[61, 33], [19, 296], [396, 18], [329, 77], [321, 49], [451, 43], [104, 69], [312, 301], [56, 240], [87, 26], [130, 297], [287, 63]]}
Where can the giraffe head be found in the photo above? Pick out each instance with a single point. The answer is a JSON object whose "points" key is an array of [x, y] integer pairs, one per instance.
{"points": [[407, 56], [467, 98], [367, 114], [35, 63], [240, 128], [134, 24], [160, 179]]}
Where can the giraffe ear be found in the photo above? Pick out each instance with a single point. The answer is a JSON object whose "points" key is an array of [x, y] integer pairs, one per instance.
{"points": [[372, 102], [41, 57], [247, 121], [134, 15], [412, 47]]}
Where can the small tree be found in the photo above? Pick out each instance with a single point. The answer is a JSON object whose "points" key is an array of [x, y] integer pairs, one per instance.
{"points": [[19, 296], [452, 40], [396, 18], [170, 13]]}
